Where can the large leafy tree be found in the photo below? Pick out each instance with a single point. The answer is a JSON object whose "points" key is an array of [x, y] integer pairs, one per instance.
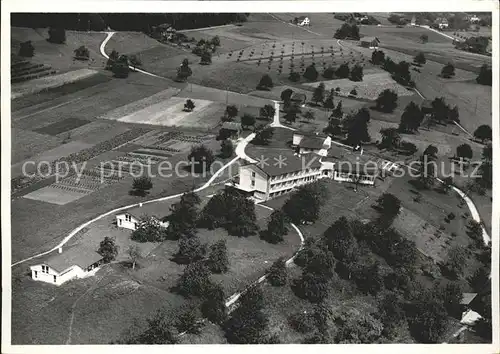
{"points": [[149, 230], [485, 75], [201, 158], [329, 104], [247, 323], [420, 59], [213, 307], [159, 330], [276, 227], [357, 127], [141, 186], [277, 275], [389, 206], [108, 249], [263, 136], [190, 250], [311, 73], [457, 260], [356, 327], [342, 71], [304, 205], [267, 112], [387, 101], [247, 120], [265, 83], [184, 71], [57, 35], [319, 93], [427, 319], [218, 260], [411, 118], [183, 216], [483, 132], [226, 148], [347, 31], [286, 95], [390, 138], [378, 57], [340, 240], [356, 73], [448, 71], [194, 281], [464, 151], [26, 49], [231, 112]]}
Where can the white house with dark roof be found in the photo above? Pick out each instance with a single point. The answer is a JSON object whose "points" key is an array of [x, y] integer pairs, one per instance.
{"points": [[302, 21], [306, 143], [75, 262]]}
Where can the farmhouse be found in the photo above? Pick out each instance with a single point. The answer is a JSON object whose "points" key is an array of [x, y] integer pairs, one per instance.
{"points": [[234, 129], [370, 42], [75, 262], [131, 222], [302, 21], [305, 143], [441, 22], [277, 174]]}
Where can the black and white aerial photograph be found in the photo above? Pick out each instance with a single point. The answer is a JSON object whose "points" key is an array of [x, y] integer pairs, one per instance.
{"points": [[250, 178]]}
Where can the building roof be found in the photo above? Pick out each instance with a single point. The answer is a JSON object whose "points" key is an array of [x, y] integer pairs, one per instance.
{"points": [[79, 255], [348, 161], [301, 18], [231, 126], [470, 317], [270, 163], [370, 39], [312, 142], [467, 298], [128, 213]]}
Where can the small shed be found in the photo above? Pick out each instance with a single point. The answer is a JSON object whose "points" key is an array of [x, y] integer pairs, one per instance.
{"points": [[370, 42], [127, 221], [233, 128]]}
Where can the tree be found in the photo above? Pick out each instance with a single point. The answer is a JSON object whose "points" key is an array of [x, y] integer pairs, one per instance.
{"points": [[309, 115], [268, 111], [340, 240], [206, 57], [120, 67], [464, 151], [356, 73], [483, 132], [378, 57], [141, 186], [357, 127], [451, 295], [337, 112], [453, 114], [447, 184], [389, 65], [187, 321], [190, 250], [319, 93], [420, 59], [312, 286], [368, 278], [265, 83], [215, 41], [113, 57], [276, 228], [231, 112], [247, 322], [82, 53], [57, 35], [431, 152], [347, 31], [134, 252], [427, 320], [247, 120], [342, 71], [391, 313], [387, 101], [485, 75], [26, 49], [440, 110], [448, 71], [390, 138], [411, 118], [264, 136], [291, 114], [356, 327], [108, 249], [457, 261], [214, 304], [218, 260], [226, 148], [183, 216], [184, 71], [427, 171], [311, 73], [189, 105], [294, 76], [401, 74], [329, 72], [135, 61], [149, 230], [277, 275], [329, 104], [194, 281], [201, 158], [487, 154], [305, 203], [158, 331], [389, 205], [424, 38], [286, 95]]}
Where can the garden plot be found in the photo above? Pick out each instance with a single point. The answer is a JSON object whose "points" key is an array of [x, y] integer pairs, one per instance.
{"points": [[48, 82], [138, 105], [26, 143], [371, 86], [62, 126], [171, 113]]}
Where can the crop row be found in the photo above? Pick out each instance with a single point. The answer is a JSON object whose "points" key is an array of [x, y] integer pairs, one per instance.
{"points": [[71, 189]]}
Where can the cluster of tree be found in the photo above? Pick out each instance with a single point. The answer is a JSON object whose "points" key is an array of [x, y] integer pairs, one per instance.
{"points": [[305, 203], [205, 48], [392, 140], [400, 71], [120, 64], [347, 31], [276, 227], [474, 44], [183, 216], [226, 148], [397, 19], [411, 118], [82, 53], [316, 324], [263, 136], [247, 120], [357, 127], [201, 158], [485, 75], [440, 112], [265, 83], [231, 210], [149, 230]]}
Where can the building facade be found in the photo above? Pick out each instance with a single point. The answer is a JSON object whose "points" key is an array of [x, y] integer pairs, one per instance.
{"points": [[370, 42]]}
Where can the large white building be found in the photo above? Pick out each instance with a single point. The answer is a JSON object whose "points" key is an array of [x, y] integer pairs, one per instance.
{"points": [[75, 262]]}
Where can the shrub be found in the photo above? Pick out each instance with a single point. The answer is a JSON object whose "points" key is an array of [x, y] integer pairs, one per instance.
{"points": [[82, 53]]}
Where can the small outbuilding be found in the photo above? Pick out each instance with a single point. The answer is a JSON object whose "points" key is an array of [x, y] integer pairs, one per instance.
{"points": [[132, 222], [78, 261], [302, 21], [370, 42]]}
